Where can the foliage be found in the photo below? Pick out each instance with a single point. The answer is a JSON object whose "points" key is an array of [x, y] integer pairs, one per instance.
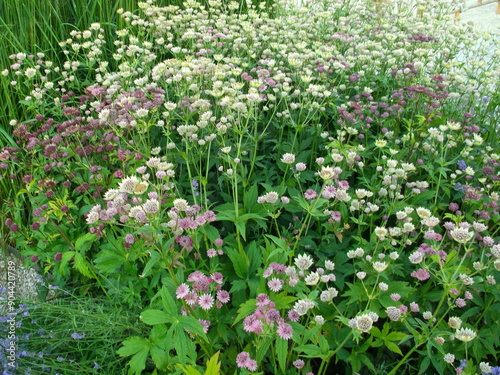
{"points": [[295, 191]]}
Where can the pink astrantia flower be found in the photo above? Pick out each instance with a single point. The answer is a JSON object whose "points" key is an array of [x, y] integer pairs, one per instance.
{"points": [[310, 194], [285, 331], [182, 291], [223, 296], [206, 301], [275, 284], [421, 274], [299, 363]]}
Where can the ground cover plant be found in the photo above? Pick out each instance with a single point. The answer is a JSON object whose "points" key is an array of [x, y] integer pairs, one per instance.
{"points": [[286, 189]]}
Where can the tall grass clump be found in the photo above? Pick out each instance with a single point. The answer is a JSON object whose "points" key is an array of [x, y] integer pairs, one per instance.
{"points": [[304, 189], [71, 335]]}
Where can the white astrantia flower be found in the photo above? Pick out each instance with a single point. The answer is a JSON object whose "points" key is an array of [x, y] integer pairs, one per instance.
{"points": [[288, 158], [303, 262], [379, 266], [181, 204], [465, 334]]}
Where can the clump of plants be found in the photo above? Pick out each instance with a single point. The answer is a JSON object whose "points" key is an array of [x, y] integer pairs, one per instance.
{"points": [[301, 192]]}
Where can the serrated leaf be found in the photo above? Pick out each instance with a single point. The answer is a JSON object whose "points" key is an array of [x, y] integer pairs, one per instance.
{"points": [[213, 365], [67, 256], [84, 242], [393, 347], [263, 349], [188, 370], [240, 262], [281, 352], [155, 258], [168, 302], [309, 351], [108, 261], [396, 336], [82, 266], [245, 309], [133, 345], [192, 325], [153, 317], [159, 357], [254, 256]]}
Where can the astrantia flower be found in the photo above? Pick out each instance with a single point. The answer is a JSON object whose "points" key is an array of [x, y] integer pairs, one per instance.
{"points": [[285, 331], [465, 334], [421, 274], [275, 284], [111, 194], [310, 194], [140, 188], [300, 167], [181, 204], [449, 358], [151, 206], [364, 323], [206, 301], [312, 278], [243, 360], [416, 257], [461, 235], [223, 296], [423, 212], [379, 266], [303, 262], [299, 363], [455, 322], [380, 232], [393, 313], [288, 158], [128, 184], [182, 291], [271, 197]]}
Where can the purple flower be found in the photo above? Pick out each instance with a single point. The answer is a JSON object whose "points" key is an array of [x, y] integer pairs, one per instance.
{"points": [[462, 165], [310, 194], [77, 336], [421, 274], [285, 331]]}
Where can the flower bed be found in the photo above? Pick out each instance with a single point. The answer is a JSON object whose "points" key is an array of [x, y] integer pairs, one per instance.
{"points": [[291, 190]]}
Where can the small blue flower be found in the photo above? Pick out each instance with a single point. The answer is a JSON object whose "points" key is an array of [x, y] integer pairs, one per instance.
{"points": [[458, 187], [462, 165], [77, 336]]}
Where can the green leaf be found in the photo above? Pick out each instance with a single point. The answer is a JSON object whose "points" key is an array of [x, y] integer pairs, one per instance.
{"points": [[245, 309], [189, 370], [109, 260], [263, 349], [159, 357], [213, 365], [309, 350], [209, 231], [153, 317], [254, 256], [283, 301], [84, 242], [281, 352], [192, 325], [155, 258], [82, 266], [138, 362], [240, 261], [392, 347], [67, 256], [168, 302], [133, 345], [396, 336]]}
